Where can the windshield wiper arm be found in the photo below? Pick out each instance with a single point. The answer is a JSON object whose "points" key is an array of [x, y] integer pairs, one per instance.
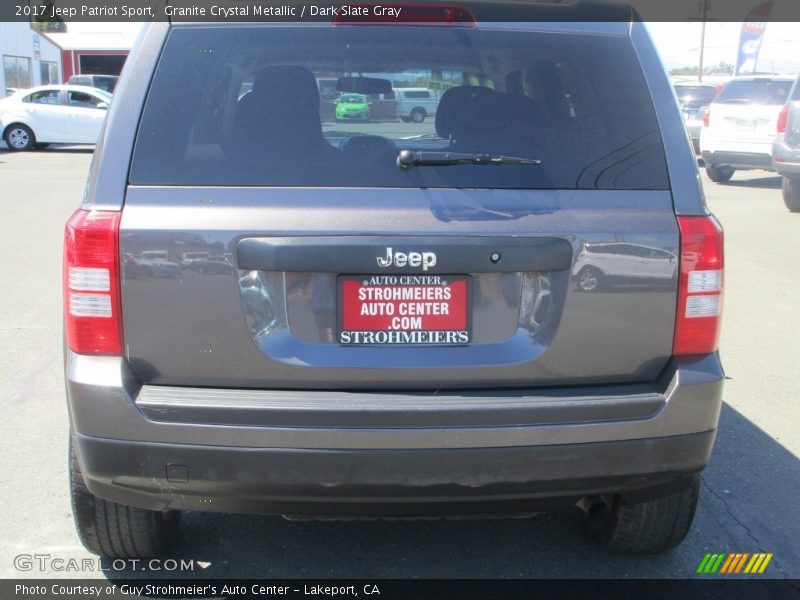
{"points": [[408, 158]]}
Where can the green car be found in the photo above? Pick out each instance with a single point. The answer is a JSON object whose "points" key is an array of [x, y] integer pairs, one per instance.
{"points": [[352, 107]]}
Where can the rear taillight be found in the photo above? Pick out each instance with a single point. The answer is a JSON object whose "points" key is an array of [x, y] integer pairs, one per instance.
{"points": [[700, 286], [783, 119], [707, 117], [92, 318]]}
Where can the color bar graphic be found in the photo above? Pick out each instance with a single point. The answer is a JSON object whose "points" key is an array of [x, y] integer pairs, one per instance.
{"points": [[733, 563]]}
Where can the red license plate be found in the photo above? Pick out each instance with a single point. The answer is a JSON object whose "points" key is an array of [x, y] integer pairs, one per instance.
{"points": [[404, 309]]}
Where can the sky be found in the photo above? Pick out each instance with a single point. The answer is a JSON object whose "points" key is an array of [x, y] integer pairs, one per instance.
{"points": [[677, 43]]}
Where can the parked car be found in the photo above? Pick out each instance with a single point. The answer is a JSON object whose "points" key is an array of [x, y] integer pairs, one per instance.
{"points": [[694, 99], [437, 358], [216, 264], [53, 114], [740, 125], [352, 107], [602, 263], [156, 263], [191, 260], [415, 104], [107, 83], [786, 149]]}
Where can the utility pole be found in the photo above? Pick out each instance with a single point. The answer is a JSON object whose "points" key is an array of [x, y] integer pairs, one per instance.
{"points": [[703, 10]]}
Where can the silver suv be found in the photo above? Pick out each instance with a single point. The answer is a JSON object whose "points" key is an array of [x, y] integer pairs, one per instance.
{"points": [[786, 148], [400, 329]]}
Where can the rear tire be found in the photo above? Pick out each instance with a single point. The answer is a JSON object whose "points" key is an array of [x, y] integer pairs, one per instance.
{"points": [[418, 115], [791, 193], [719, 174], [648, 527], [115, 530], [590, 279], [405, 119], [19, 137]]}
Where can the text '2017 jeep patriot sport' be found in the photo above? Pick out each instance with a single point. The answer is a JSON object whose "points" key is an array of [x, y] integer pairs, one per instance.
{"points": [[400, 328]]}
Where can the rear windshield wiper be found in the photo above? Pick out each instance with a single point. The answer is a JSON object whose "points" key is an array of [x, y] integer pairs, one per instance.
{"points": [[408, 158]]}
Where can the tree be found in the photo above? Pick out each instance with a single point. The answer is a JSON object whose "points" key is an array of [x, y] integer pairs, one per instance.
{"points": [[47, 24], [684, 71], [722, 68]]}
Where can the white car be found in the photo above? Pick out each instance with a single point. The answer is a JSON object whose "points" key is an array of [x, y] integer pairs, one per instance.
{"points": [[604, 263], [415, 104], [741, 123], [53, 114]]}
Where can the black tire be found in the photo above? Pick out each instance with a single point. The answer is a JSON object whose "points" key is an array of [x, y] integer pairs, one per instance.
{"points": [[19, 137], [418, 115], [590, 279], [791, 193], [719, 174], [648, 527], [115, 530], [405, 119]]}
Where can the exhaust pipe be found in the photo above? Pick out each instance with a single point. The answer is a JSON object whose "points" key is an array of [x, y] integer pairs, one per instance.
{"points": [[597, 508]]}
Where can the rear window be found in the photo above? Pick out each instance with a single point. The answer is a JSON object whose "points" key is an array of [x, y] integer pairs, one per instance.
{"points": [[243, 107], [695, 94], [417, 94], [770, 92]]}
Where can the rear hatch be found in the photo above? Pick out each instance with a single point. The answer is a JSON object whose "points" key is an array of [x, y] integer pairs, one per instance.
{"points": [[332, 265], [747, 109], [694, 100]]}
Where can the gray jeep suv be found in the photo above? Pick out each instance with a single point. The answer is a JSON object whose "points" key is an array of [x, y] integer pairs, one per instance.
{"points": [[399, 328]]}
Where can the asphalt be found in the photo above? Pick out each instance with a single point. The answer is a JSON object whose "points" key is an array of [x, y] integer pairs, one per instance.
{"points": [[749, 489]]}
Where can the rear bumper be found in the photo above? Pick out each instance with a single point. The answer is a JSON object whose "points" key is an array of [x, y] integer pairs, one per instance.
{"points": [[305, 453], [738, 160], [785, 159], [391, 483]]}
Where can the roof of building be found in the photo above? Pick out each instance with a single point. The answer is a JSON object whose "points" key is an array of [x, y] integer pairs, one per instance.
{"points": [[78, 38]]}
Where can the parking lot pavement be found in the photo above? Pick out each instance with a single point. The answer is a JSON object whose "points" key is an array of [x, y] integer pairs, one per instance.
{"points": [[749, 492]]}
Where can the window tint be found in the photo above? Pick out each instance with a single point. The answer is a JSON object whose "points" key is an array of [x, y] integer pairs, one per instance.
{"points": [[695, 94], [417, 94], [755, 91], [577, 103], [43, 97], [105, 83], [84, 100]]}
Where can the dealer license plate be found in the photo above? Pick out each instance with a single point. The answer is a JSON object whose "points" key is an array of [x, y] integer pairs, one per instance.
{"points": [[404, 309]]}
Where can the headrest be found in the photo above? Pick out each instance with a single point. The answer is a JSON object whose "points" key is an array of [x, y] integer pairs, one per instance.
{"points": [[287, 85], [460, 108]]}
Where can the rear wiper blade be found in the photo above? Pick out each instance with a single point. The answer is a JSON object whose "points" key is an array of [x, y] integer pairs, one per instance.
{"points": [[408, 158]]}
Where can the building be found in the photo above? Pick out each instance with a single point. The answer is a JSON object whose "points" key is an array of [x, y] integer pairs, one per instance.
{"points": [[88, 50], [29, 58]]}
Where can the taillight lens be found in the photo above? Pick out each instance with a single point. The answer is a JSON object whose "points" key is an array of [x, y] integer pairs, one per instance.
{"points": [[783, 119], [707, 117], [92, 317], [700, 286]]}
